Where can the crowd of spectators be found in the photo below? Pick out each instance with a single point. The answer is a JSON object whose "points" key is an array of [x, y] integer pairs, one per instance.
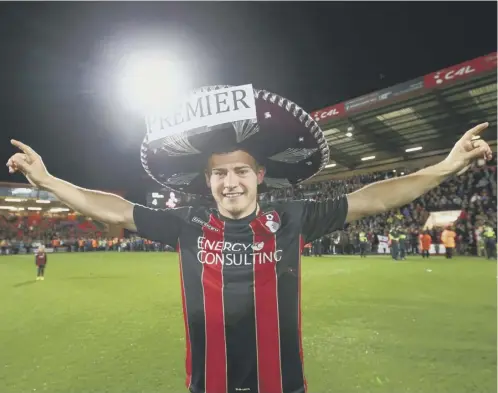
{"points": [[23, 235], [473, 194]]}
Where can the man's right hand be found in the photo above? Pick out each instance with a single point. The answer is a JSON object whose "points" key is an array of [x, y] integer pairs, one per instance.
{"points": [[29, 163]]}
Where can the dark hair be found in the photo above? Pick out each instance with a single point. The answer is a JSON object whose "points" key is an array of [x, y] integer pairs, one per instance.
{"points": [[228, 150]]}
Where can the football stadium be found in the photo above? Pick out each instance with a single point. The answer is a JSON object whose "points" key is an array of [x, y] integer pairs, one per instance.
{"points": [[401, 302]]}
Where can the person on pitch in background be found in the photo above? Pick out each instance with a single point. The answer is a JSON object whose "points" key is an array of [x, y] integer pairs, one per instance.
{"points": [[363, 244], [480, 243], [41, 263], [488, 234], [240, 261], [413, 240], [425, 243], [448, 239], [394, 239], [402, 243]]}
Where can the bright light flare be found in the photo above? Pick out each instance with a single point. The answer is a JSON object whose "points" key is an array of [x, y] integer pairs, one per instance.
{"points": [[150, 82]]}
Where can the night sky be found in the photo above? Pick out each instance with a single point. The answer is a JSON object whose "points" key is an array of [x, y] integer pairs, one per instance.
{"points": [[58, 61]]}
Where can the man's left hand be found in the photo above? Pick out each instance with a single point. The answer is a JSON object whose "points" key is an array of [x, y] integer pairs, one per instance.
{"points": [[467, 150]]}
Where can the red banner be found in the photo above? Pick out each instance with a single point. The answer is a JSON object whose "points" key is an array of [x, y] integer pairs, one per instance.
{"points": [[328, 113], [441, 78], [460, 71]]}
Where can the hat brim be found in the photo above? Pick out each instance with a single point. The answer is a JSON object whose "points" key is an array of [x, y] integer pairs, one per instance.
{"points": [[285, 140]]}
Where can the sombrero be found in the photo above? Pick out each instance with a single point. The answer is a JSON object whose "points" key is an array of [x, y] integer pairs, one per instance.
{"points": [[278, 133]]}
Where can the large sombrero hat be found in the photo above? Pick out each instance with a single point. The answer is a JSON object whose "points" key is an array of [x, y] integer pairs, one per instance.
{"points": [[279, 134]]}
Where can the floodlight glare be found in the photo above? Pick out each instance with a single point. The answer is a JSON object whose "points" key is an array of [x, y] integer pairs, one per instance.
{"points": [[149, 82]]}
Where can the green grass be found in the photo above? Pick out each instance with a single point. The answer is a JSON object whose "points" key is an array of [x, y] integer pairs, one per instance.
{"points": [[111, 322]]}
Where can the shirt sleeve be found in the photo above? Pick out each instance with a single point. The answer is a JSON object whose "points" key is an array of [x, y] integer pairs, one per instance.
{"points": [[322, 218], [160, 225]]}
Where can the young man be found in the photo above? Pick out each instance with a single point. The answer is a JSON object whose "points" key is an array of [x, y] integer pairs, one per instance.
{"points": [[41, 263], [240, 262]]}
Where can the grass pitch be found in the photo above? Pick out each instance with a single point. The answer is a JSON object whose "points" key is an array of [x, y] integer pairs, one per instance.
{"points": [[112, 322]]}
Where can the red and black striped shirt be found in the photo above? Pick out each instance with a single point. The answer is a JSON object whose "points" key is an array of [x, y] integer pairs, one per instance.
{"points": [[241, 290], [40, 259]]}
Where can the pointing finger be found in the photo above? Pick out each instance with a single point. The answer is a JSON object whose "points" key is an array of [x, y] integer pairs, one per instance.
{"points": [[476, 130], [25, 148]]}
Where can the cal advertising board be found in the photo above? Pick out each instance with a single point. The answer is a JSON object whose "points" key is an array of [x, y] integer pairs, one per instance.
{"points": [[328, 113], [460, 71]]}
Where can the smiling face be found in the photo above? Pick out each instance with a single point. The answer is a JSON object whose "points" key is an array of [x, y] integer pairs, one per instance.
{"points": [[233, 179]]}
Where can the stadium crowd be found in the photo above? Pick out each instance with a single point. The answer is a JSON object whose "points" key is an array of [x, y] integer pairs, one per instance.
{"points": [[473, 193]]}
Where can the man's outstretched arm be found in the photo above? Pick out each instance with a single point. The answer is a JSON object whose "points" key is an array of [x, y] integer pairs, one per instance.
{"points": [[101, 206], [388, 194]]}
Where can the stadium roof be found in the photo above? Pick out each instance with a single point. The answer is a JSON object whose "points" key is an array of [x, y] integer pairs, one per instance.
{"points": [[21, 197], [427, 114]]}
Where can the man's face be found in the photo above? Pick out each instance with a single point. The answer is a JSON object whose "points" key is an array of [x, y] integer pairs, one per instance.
{"points": [[233, 179]]}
